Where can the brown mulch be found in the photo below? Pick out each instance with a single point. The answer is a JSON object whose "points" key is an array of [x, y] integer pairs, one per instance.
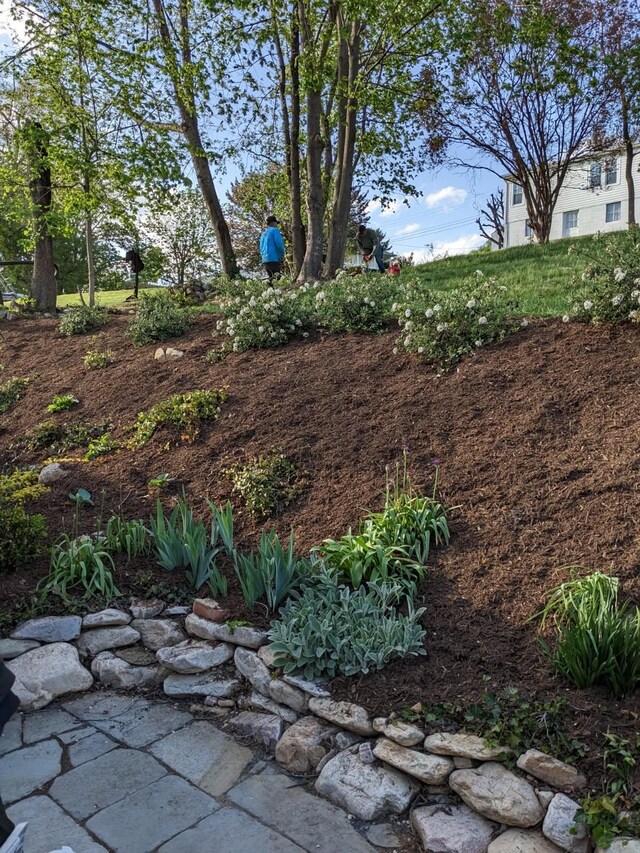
{"points": [[539, 443]]}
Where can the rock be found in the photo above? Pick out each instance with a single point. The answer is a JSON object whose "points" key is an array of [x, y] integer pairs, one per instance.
{"points": [[46, 673], [249, 664], [200, 684], [158, 633], [621, 845], [382, 835], [49, 629], [452, 829], [325, 759], [365, 790], [227, 703], [304, 745], [266, 728], [171, 354], [522, 841], [263, 703], [551, 770], [464, 746], [365, 753], [558, 823], [403, 733], [498, 794], [208, 608], [346, 739], [178, 610], [313, 688], [106, 618], [267, 656], [159, 354], [430, 769], [146, 608], [51, 474], [240, 636], [10, 649], [545, 798], [191, 656], [136, 655], [285, 694], [462, 763], [344, 714], [115, 672], [102, 639]]}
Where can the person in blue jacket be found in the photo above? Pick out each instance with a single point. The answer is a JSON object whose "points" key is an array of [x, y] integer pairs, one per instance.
{"points": [[272, 248]]}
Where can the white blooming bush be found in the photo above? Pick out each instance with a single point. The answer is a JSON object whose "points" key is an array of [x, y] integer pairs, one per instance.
{"points": [[360, 303], [454, 324], [611, 280]]}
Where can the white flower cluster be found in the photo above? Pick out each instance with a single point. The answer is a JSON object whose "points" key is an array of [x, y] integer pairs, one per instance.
{"points": [[265, 319], [619, 275]]}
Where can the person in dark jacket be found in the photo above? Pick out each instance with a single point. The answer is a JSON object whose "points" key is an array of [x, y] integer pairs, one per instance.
{"points": [[370, 246], [272, 249], [9, 703]]}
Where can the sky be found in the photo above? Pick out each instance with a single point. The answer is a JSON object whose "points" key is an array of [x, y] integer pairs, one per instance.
{"points": [[440, 222]]}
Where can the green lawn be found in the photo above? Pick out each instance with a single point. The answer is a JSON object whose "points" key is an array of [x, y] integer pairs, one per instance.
{"points": [[108, 298]]}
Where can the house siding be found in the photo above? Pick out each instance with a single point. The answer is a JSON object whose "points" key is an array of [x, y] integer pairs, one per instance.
{"points": [[576, 194]]}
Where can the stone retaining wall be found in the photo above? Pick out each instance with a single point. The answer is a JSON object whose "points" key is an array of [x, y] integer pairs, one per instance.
{"points": [[464, 799]]}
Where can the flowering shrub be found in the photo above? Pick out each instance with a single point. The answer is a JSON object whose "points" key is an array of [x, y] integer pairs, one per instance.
{"points": [[265, 318], [611, 280], [354, 303], [158, 318], [454, 324]]}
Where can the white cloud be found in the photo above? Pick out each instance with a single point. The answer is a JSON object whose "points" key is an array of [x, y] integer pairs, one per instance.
{"points": [[446, 198], [460, 246], [409, 229], [10, 29], [373, 207]]}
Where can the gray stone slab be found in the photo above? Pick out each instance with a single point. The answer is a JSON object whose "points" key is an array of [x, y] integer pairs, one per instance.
{"points": [[47, 723], [311, 822], [205, 756], [231, 831], [50, 828], [151, 816], [27, 769], [136, 722], [12, 735], [97, 784], [10, 649], [89, 748], [77, 734]]}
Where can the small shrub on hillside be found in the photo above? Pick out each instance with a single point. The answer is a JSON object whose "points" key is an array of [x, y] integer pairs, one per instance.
{"points": [[20, 487], [21, 535], [457, 323], [266, 483], [100, 447], [611, 280], [81, 563], [97, 360], [158, 318], [58, 438], [182, 411], [331, 630], [62, 403], [355, 303], [265, 318], [79, 321], [11, 392]]}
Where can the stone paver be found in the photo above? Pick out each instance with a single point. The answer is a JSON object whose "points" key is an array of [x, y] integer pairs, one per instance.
{"points": [[151, 815], [136, 722], [45, 724], [89, 748], [99, 783], [12, 735], [241, 834], [50, 828], [313, 823], [205, 756], [25, 770]]}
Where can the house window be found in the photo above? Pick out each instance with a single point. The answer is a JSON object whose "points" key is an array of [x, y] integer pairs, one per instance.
{"points": [[611, 172], [614, 212], [516, 198], [570, 223], [595, 175], [528, 230]]}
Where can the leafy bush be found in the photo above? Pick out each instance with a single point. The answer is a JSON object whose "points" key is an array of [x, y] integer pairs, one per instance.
{"points": [[100, 447], [183, 411], [355, 303], [11, 392], [62, 402], [58, 438], [158, 317], [21, 486], [80, 320], [96, 360], [82, 562], [611, 280], [457, 323], [598, 639], [332, 630], [265, 318], [21, 535], [271, 571], [128, 537], [266, 483]]}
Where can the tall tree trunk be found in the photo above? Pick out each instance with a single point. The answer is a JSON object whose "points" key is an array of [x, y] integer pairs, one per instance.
{"points": [[628, 165], [91, 265], [312, 263], [43, 282]]}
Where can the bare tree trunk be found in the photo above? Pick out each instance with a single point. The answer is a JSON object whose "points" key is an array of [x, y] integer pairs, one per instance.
{"points": [[312, 262], [91, 265], [43, 283], [628, 166]]}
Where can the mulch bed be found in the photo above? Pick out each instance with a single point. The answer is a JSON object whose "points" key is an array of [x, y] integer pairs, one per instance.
{"points": [[538, 440]]}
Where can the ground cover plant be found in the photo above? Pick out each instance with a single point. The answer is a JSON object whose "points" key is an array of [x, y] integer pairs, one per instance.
{"points": [[55, 438], [183, 412], [265, 483], [11, 392], [97, 360], [62, 403], [158, 317], [81, 319], [22, 535]]}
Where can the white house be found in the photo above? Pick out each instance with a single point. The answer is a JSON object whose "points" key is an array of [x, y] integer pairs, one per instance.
{"points": [[593, 198]]}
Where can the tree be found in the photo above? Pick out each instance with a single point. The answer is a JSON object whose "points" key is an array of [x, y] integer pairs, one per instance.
{"points": [[491, 220], [521, 83], [43, 283]]}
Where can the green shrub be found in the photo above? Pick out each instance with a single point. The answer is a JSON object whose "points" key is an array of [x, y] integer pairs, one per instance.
{"points": [[11, 392], [20, 487], [271, 571], [598, 639], [332, 630], [58, 438], [355, 303], [455, 324], [83, 563], [611, 279], [62, 402], [128, 537], [266, 483], [21, 535], [100, 447], [96, 360], [158, 318], [80, 320], [182, 411]]}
